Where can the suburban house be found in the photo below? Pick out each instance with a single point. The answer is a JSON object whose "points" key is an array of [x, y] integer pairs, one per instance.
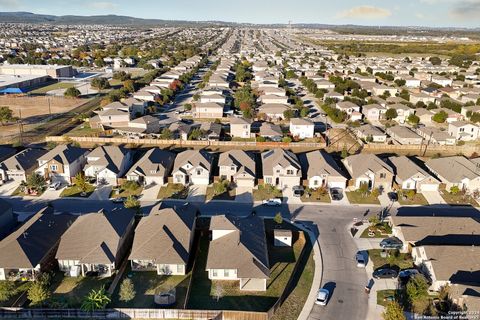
{"points": [[272, 98], [7, 219], [270, 131], [192, 167], [154, 167], [20, 165], [108, 163], [457, 171], [62, 163], [404, 135], [96, 242], [273, 111], [322, 171], [424, 115], [210, 110], [240, 128], [369, 169], [434, 135], [281, 168], [163, 240], [463, 131], [244, 239], [301, 128], [373, 112], [31, 248], [370, 133], [237, 166], [410, 176], [403, 112], [351, 109]]}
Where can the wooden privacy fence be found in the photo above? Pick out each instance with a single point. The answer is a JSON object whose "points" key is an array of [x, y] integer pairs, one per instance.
{"points": [[12, 313]]}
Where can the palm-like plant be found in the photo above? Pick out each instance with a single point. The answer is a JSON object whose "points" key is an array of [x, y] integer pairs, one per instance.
{"points": [[96, 300]]}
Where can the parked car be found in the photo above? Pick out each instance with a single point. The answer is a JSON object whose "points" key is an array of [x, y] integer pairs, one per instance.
{"points": [[274, 202], [407, 273], [119, 200], [391, 243], [336, 194], [322, 297], [360, 260], [54, 186], [385, 273], [393, 196], [298, 191]]}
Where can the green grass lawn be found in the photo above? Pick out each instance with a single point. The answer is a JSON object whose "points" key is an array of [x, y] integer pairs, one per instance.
{"points": [[19, 288], [120, 192], [70, 291], [173, 191], [418, 199], [19, 192], [458, 199], [265, 192], [316, 196], [75, 191], [384, 297], [54, 86], [381, 230], [228, 195], [84, 130], [356, 197], [282, 263], [147, 284], [403, 260]]}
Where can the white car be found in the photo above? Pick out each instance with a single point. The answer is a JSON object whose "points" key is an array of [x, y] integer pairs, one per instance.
{"points": [[54, 186], [274, 202], [322, 297]]}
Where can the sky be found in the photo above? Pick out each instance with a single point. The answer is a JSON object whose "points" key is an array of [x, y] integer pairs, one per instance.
{"points": [[431, 13]]}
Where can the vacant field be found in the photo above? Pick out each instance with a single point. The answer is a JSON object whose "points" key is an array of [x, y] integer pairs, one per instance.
{"points": [[54, 86], [38, 106]]}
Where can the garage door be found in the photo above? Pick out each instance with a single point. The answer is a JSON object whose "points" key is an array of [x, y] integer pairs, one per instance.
{"points": [[201, 181], [429, 187], [249, 183], [336, 184]]}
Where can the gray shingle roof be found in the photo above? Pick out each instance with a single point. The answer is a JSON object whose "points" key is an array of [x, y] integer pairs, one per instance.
{"points": [[64, 154], [155, 162], [454, 169], [23, 161], [277, 156]]}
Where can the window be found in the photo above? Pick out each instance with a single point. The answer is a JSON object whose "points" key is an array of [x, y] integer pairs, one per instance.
{"points": [[232, 167], [214, 273], [226, 273], [199, 172], [268, 180], [278, 171], [54, 167], [315, 182], [179, 268], [383, 175], [289, 171]]}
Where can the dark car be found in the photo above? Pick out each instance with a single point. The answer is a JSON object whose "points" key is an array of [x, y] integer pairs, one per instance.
{"points": [[391, 243], [336, 194], [407, 274], [385, 273], [393, 196]]}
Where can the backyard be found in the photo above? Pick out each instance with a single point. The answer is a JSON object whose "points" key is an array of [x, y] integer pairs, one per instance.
{"points": [[265, 192], [54, 86], [282, 263], [173, 191], [19, 287], [358, 197]]}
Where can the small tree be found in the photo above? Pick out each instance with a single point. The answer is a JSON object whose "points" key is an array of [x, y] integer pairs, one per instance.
{"points": [[440, 117], [96, 300], [187, 107], [393, 311], [6, 290], [166, 134], [81, 182], [417, 288], [454, 190], [36, 182], [39, 291], [344, 152], [391, 114], [6, 115], [72, 92], [278, 218], [218, 291], [132, 203], [127, 290], [413, 119]]}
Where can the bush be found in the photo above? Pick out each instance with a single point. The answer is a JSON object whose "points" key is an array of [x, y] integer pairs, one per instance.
{"points": [[6, 290], [127, 290], [393, 311], [72, 92], [278, 218], [96, 300], [417, 288], [39, 291], [454, 190], [440, 117]]}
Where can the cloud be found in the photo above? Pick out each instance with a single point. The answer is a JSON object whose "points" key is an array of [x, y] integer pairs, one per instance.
{"points": [[11, 4], [419, 15], [365, 12], [102, 5], [466, 9]]}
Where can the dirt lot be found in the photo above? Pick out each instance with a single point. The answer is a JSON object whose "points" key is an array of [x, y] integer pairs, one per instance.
{"points": [[37, 106]]}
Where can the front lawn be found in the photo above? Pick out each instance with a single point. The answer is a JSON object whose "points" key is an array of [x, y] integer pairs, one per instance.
{"points": [[357, 197], [458, 199], [219, 192], [22, 192], [173, 191], [394, 258], [69, 292], [282, 263], [147, 284], [380, 230], [75, 191], [127, 189], [418, 199], [384, 297], [265, 192], [318, 195]]}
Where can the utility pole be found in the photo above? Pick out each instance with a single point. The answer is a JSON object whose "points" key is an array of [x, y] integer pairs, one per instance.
{"points": [[20, 126], [49, 107], [428, 142]]}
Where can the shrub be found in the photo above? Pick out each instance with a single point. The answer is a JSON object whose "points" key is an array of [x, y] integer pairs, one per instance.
{"points": [[96, 300], [72, 92], [454, 190], [278, 218], [6, 290], [127, 290]]}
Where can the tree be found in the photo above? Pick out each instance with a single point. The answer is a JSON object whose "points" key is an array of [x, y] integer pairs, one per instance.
{"points": [[121, 75], [218, 291], [96, 300], [195, 134], [72, 92], [454, 190], [132, 203], [129, 85], [440, 117], [187, 107], [6, 290], [391, 114], [36, 182], [39, 291], [127, 290], [278, 219], [6, 115], [393, 311], [166, 134], [100, 83], [413, 119], [417, 288], [288, 114], [435, 61], [81, 182], [344, 152]]}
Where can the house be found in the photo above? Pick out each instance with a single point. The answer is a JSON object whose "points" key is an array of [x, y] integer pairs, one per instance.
{"points": [[180, 130], [62, 163], [424, 115], [370, 133], [7, 219], [282, 238], [212, 98], [380, 89], [108, 163], [281, 168], [154, 167], [271, 131], [416, 97], [31, 248], [301, 128], [403, 112], [244, 239], [20, 165], [373, 111], [208, 110], [273, 111], [163, 240], [457, 171], [349, 108], [369, 169], [463, 131], [192, 167], [404, 135], [264, 99], [434, 135], [238, 167], [410, 176], [321, 171], [240, 128], [96, 242], [210, 131]]}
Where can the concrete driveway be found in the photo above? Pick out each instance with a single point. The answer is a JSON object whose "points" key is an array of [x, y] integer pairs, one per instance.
{"points": [[433, 197], [244, 195], [52, 194], [7, 188], [102, 192], [197, 193]]}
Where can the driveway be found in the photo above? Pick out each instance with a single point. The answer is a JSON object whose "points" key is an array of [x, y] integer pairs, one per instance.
{"points": [[7, 188], [244, 195], [102, 192], [52, 194], [433, 197], [197, 193], [342, 202], [150, 193], [289, 198]]}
